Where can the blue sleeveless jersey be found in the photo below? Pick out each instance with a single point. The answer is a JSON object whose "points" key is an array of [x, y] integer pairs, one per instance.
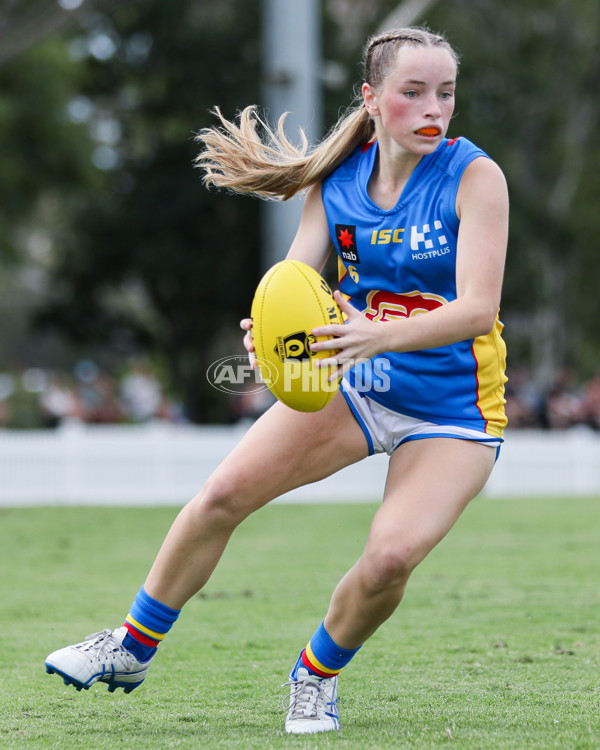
{"points": [[402, 262]]}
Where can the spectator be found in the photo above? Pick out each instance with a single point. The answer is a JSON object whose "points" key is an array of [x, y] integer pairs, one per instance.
{"points": [[564, 403], [591, 403], [524, 402], [59, 401], [97, 393], [141, 394]]}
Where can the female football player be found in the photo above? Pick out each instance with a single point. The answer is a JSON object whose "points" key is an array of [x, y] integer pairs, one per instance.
{"points": [[419, 225]]}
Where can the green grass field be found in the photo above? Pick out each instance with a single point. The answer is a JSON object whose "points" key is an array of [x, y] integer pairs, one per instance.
{"points": [[497, 644]]}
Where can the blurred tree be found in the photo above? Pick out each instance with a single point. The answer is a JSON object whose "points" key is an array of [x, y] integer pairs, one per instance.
{"points": [[42, 152], [155, 261], [28, 22], [45, 150], [527, 95]]}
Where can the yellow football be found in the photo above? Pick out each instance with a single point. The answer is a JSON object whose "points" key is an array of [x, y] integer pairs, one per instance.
{"points": [[290, 300]]}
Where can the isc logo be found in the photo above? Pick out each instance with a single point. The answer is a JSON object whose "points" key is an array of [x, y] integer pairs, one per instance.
{"points": [[385, 236], [294, 346]]}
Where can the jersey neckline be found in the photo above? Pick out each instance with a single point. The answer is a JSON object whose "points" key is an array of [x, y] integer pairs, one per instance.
{"points": [[410, 191]]}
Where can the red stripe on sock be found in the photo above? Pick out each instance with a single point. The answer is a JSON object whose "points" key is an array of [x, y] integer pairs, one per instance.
{"points": [[141, 637], [309, 665]]}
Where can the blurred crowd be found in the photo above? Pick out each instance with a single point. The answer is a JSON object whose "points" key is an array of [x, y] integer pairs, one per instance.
{"points": [[565, 404], [37, 398]]}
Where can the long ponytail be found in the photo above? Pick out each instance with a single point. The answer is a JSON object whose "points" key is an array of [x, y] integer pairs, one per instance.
{"points": [[249, 157]]}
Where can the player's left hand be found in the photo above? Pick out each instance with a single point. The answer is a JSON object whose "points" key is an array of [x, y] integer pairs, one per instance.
{"points": [[356, 340]]}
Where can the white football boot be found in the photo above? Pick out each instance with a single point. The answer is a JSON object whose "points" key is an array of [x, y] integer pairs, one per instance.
{"points": [[100, 658], [311, 704]]}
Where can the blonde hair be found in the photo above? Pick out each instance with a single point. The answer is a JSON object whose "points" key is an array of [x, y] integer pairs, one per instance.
{"points": [[250, 157]]}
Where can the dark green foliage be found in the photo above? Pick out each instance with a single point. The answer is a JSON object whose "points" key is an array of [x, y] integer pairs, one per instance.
{"points": [[194, 254]]}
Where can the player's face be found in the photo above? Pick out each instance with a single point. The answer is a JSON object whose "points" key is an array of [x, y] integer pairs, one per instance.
{"points": [[414, 105]]}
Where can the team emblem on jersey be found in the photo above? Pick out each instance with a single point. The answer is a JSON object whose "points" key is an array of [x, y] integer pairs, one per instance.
{"points": [[345, 235], [383, 305]]}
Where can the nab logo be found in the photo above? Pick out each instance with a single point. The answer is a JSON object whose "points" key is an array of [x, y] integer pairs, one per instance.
{"points": [[295, 346], [346, 238]]}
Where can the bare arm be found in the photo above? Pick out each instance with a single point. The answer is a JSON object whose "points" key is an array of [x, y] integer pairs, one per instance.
{"points": [[312, 245]]}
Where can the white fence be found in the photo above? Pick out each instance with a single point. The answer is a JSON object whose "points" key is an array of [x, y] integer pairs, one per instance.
{"points": [[167, 464]]}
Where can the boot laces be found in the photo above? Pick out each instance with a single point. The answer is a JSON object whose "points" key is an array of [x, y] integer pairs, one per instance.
{"points": [[307, 699], [102, 644]]}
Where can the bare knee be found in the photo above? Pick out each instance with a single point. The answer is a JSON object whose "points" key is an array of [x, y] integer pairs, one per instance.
{"points": [[221, 503], [389, 565]]}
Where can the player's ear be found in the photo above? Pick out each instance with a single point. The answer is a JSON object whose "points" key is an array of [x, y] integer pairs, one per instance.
{"points": [[369, 99]]}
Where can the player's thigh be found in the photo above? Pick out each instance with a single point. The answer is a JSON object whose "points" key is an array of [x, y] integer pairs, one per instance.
{"points": [[429, 484], [285, 449]]}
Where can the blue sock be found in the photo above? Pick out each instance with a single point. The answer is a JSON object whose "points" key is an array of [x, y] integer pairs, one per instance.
{"points": [[147, 624], [322, 656]]}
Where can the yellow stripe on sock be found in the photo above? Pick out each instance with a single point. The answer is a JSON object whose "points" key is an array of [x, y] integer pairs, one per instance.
{"points": [[144, 629], [315, 662]]}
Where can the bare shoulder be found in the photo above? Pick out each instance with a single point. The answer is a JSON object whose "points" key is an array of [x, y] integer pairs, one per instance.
{"points": [[312, 242], [313, 210], [313, 197], [483, 172], [482, 182]]}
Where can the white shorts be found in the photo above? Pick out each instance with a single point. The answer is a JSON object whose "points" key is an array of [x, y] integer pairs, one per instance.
{"points": [[385, 429]]}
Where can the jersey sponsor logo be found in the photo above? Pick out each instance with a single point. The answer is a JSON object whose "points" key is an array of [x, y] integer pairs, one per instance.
{"points": [[383, 305], [427, 243], [387, 236], [345, 235], [428, 254]]}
